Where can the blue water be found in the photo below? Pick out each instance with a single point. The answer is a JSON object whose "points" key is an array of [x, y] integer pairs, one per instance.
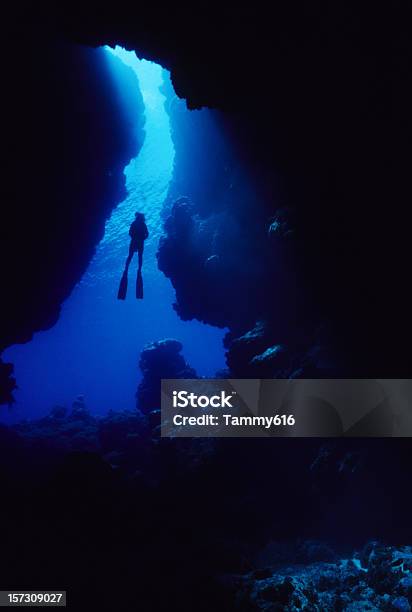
{"points": [[95, 346]]}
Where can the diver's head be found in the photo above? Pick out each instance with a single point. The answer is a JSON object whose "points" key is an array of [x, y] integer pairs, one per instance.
{"points": [[139, 216]]}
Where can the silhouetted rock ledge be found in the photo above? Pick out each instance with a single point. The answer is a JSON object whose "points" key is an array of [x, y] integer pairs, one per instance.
{"points": [[161, 359], [7, 383], [65, 124]]}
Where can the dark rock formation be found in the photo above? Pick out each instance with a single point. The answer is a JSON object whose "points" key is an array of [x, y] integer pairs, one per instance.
{"points": [[7, 383], [262, 487], [381, 582], [65, 142], [192, 256], [161, 359], [253, 355], [230, 246], [122, 438]]}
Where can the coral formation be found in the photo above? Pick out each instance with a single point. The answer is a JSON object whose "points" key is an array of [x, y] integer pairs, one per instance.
{"points": [[161, 359], [380, 581]]}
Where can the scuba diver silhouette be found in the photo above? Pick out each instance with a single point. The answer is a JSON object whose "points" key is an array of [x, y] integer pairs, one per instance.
{"points": [[138, 233]]}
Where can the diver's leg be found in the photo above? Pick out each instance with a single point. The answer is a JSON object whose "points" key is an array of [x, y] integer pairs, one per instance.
{"points": [[140, 255], [139, 279], [129, 258], [121, 295]]}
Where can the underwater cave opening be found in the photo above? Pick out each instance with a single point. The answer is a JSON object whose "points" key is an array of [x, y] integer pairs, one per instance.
{"points": [[94, 348]]}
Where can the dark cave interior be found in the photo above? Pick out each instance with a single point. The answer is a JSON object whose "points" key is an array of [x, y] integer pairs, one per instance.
{"points": [[316, 102], [318, 110]]}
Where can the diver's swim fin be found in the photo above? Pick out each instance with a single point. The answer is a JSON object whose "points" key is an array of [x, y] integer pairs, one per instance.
{"points": [[121, 294], [139, 286]]}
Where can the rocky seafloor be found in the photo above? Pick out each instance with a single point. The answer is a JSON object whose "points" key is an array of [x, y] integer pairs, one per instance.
{"points": [[305, 575], [377, 578]]}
